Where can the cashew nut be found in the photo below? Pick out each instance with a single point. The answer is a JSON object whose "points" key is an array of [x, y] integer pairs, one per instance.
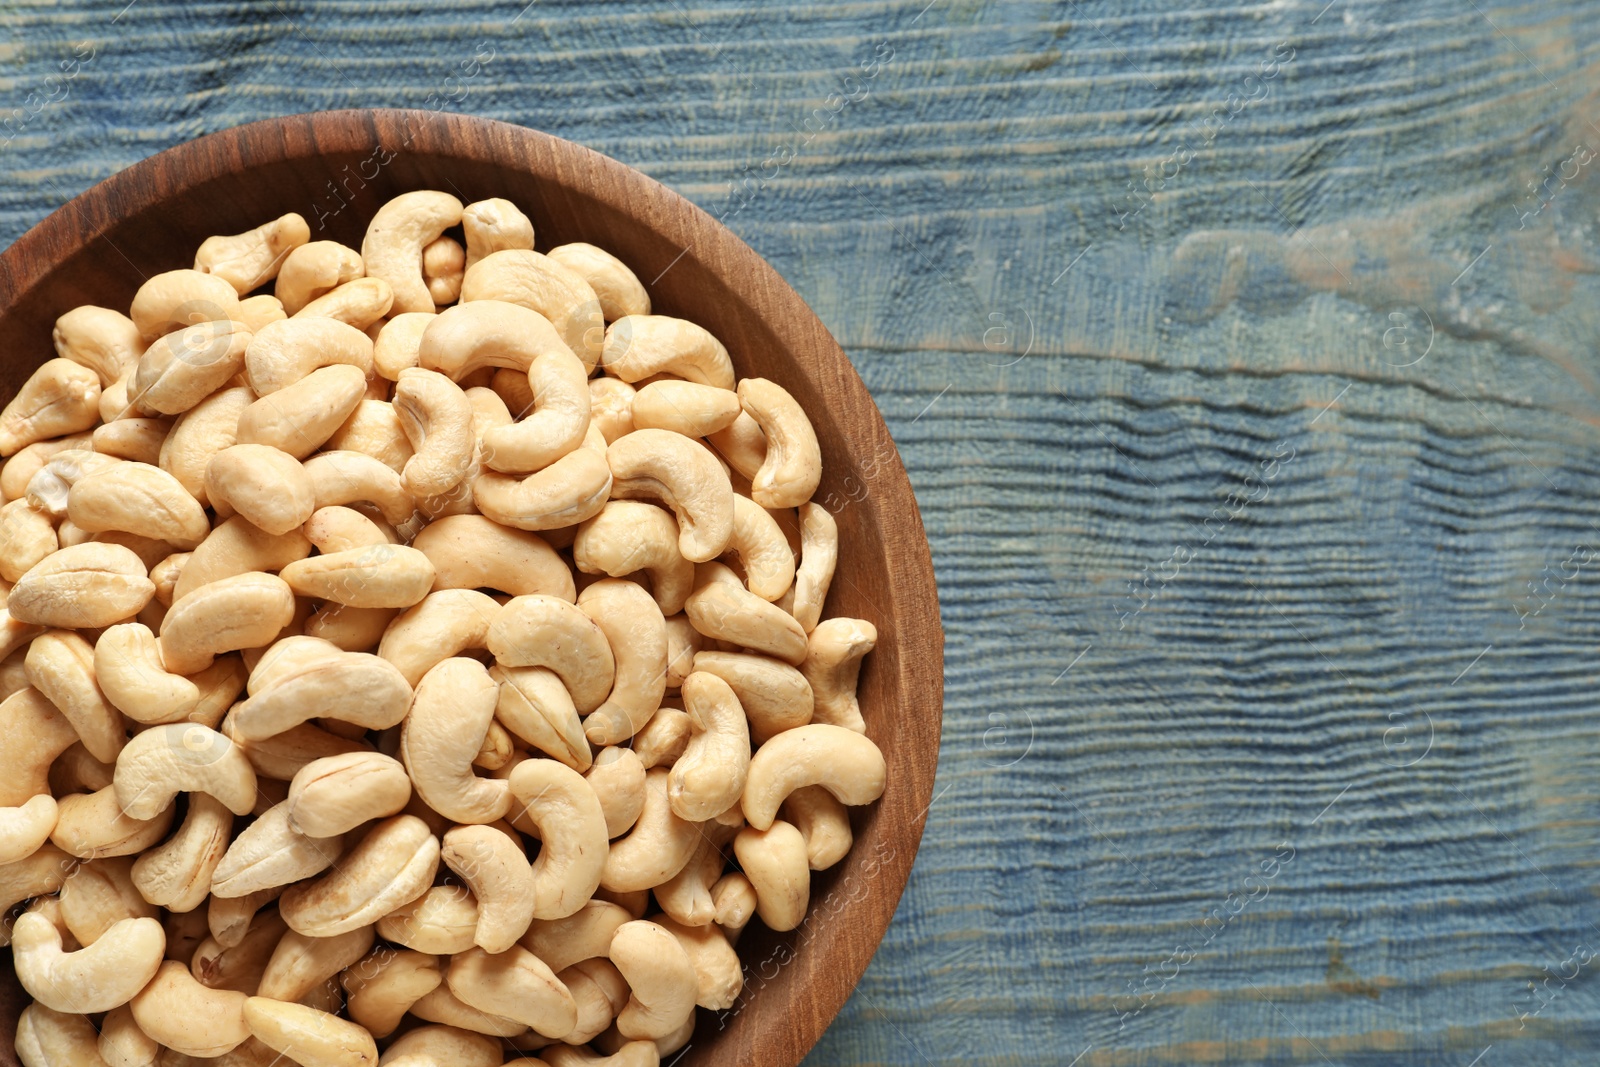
{"points": [[359, 304], [719, 977], [742, 444], [393, 865], [96, 978], [383, 986], [345, 477], [774, 859], [688, 408], [99, 894], [177, 874], [833, 665], [377, 576], [762, 549], [442, 921], [182, 1014], [444, 624], [60, 665], [686, 896], [105, 341], [181, 369], [823, 822], [336, 794], [48, 1038], [640, 346], [470, 551], [26, 827], [775, 696], [300, 964], [514, 984], [41, 873], [611, 406], [686, 477], [267, 486], [399, 343], [287, 351], [710, 775], [135, 439], [585, 934], [91, 825], [599, 991], [722, 609], [535, 706], [200, 433], [444, 262], [312, 270], [84, 586], [256, 313], [309, 1036], [661, 976], [27, 536], [139, 499], [501, 880], [657, 847], [437, 420], [180, 298], [538, 282], [617, 778], [635, 629], [242, 611], [819, 552], [249, 260], [61, 397], [617, 288], [449, 718], [230, 919], [571, 489], [396, 236], [163, 761], [271, 853], [543, 631], [122, 1043], [374, 429], [237, 546], [572, 826], [300, 417], [663, 739], [793, 465], [442, 1006], [846, 763]]}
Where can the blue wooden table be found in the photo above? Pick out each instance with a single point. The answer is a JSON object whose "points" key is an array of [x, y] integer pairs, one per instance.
{"points": [[1243, 359]]}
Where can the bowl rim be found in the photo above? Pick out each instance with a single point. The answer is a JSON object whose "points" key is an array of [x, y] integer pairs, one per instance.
{"points": [[908, 568]]}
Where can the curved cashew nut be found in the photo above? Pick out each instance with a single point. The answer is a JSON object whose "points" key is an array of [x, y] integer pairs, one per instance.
{"points": [[258, 312], [92, 825], [437, 420], [538, 282], [617, 288], [664, 737], [373, 429], [686, 477], [657, 848], [399, 343], [280, 758], [443, 733], [26, 827], [444, 624], [270, 853], [163, 761], [617, 778], [762, 549], [641, 346], [542, 631], [50, 489], [558, 423], [470, 551], [81, 587], [774, 860], [395, 238], [719, 977], [352, 629], [819, 553], [309, 1035], [635, 629], [312, 270], [60, 664], [139, 499], [344, 477], [336, 794], [300, 964], [833, 665], [514, 984], [340, 529], [180, 298], [487, 333], [237, 546], [359, 304], [180, 1013], [243, 611], [611, 406], [41, 873], [135, 439], [177, 873], [501, 880], [249, 260], [585, 934], [845, 763], [442, 1006], [688, 408], [742, 444], [686, 896], [394, 865], [300, 417], [722, 609], [100, 893], [122, 1043], [600, 992], [61, 397], [775, 696], [382, 987], [444, 262], [441, 922], [183, 368], [492, 226], [27, 536], [535, 706], [18, 471], [661, 977], [201, 432], [823, 822], [793, 465], [377, 576], [105, 341], [629, 536], [709, 777], [267, 486], [284, 352], [230, 919], [572, 826], [573, 488], [353, 687]]}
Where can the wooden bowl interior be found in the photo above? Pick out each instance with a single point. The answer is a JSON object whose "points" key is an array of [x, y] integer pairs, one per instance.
{"points": [[336, 169]]}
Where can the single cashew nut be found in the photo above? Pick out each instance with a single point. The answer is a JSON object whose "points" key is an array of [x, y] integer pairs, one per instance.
{"points": [[833, 665], [382, 987], [722, 609], [628, 537], [256, 313], [774, 860], [360, 304], [242, 611], [374, 430], [543, 631], [719, 977], [441, 922], [611, 406], [41, 873], [48, 1038], [230, 919], [762, 549], [377, 576], [688, 408], [617, 288], [300, 964], [184, 1015], [686, 477], [444, 262], [309, 1036], [742, 444], [471, 552], [183, 368], [661, 976], [271, 853], [823, 822], [640, 346], [793, 465], [819, 553], [312, 270], [572, 827], [497, 872], [97, 978], [573, 488], [177, 873], [180, 298], [845, 763], [99, 894], [775, 696], [249, 260], [82, 587], [122, 1043], [442, 1006], [437, 420], [664, 738], [538, 282], [709, 777], [535, 706], [344, 477], [182, 757], [514, 984], [135, 439], [444, 731], [353, 687], [299, 418], [282, 757], [26, 827], [396, 236], [336, 794], [399, 343], [139, 499], [27, 536], [599, 991], [60, 665], [445, 623], [287, 351], [61, 397], [200, 433], [617, 779], [236, 546], [658, 846], [105, 341], [92, 825], [494, 226], [393, 865], [637, 632], [266, 486]]}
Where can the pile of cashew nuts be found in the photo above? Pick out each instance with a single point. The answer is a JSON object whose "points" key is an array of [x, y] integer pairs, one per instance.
{"points": [[325, 608]]}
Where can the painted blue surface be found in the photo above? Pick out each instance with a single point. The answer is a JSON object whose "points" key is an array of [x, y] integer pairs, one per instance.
{"points": [[1240, 424]]}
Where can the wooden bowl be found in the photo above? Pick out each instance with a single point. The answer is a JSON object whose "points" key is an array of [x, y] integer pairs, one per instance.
{"points": [[335, 169]]}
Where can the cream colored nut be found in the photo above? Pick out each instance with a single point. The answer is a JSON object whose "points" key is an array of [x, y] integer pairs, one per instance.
{"points": [[308, 1036], [312, 270], [287, 351], [793, 466], [26, 827], [774, 860], [686, 896], [242, 611], [92, 825], [50, 488], [48, 1038], [286, 658], [352, 629], [688, 408], [399, 343], [742, 444], [177, 873], [300, 964], [352, 687], [378, 576], [585, 934], [449, 717], [513, 388], [617, 779], [686, 477], [181, 369], [611, 406], [396, 236], [238, 968], [14, 633], [497, 751], [445, 623], [631, 1054], [163, 761], [661, 977], [823, 822], [200, 433], [340, 529], [136, 439], [374, 430], [42, 872], [572, 827], [343, 477], [433, 1046], [557, 292], [180, 1013], [299, 418], [617, 288], [494, 226], [573, 488], [393, 865], [658, 846], [336, 794], [27, 536], [231, 918], [437, 420], [249, 260], [181, 298], [535, 706], [61, 397], [114, 403], [13, 673], [359, 304], [18, 471], [99, 894], [762, 549], [256, 313], [710, 775], [237, 546], [542, 631], [833, 665], [614, 1043], [442, 1006], [383, 986], [282, 757], [846, 763], [514, 984], [722, 609], [819, 553], [472, 552], [664, 738], [775, 696], [442, 921], [493, 866], [270, 853], [444, 262], [85, 586], [123, 1044], [719, 977], [640, 346], [105, 341], [635, 629], [599, 991], [139, 499], [60, 665], [629, 536]]}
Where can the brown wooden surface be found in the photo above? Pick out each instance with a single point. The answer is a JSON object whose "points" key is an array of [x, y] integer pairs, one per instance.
{"points": [[149, 218]]}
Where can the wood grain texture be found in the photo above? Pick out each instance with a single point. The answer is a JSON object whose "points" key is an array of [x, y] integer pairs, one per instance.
{"points": [[1091, 430]]}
